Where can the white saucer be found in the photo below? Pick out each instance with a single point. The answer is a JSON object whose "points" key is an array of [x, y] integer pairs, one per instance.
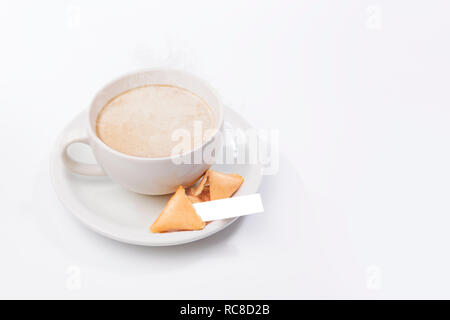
{"points": [[114, 212]]}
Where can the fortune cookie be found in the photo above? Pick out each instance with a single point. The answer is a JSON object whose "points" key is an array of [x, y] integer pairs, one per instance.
{"points": [[178, 215], [223, 185], [202, 197], [214, 186]]}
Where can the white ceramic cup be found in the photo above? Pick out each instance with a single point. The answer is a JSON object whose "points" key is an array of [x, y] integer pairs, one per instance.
{"points": [[152, 176]]}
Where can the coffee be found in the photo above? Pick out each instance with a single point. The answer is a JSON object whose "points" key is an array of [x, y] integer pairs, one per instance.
{"points": [[149, 121]]}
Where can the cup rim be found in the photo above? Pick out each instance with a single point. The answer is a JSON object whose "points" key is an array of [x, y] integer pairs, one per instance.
{"points": [[133, 73]]}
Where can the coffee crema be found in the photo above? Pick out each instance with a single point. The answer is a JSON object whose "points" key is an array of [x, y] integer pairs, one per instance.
{"points": [[149, 121]]}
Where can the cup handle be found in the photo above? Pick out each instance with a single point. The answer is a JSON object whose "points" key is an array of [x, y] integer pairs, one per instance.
{"points": [[86, 169]]}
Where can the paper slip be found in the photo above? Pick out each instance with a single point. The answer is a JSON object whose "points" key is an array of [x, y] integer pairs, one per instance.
{"points": [[230, 207]]}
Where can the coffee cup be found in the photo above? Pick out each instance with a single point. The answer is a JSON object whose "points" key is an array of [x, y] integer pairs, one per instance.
{"points": [[144, 175]]}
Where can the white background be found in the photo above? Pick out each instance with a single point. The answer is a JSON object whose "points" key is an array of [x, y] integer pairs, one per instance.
{"points": [[358, 89]]}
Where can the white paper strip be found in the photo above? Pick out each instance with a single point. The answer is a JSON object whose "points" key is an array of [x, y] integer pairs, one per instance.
{"points": [[229, 208]]}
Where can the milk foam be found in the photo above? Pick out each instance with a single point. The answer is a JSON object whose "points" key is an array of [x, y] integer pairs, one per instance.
{"points": [[141, 121]]}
